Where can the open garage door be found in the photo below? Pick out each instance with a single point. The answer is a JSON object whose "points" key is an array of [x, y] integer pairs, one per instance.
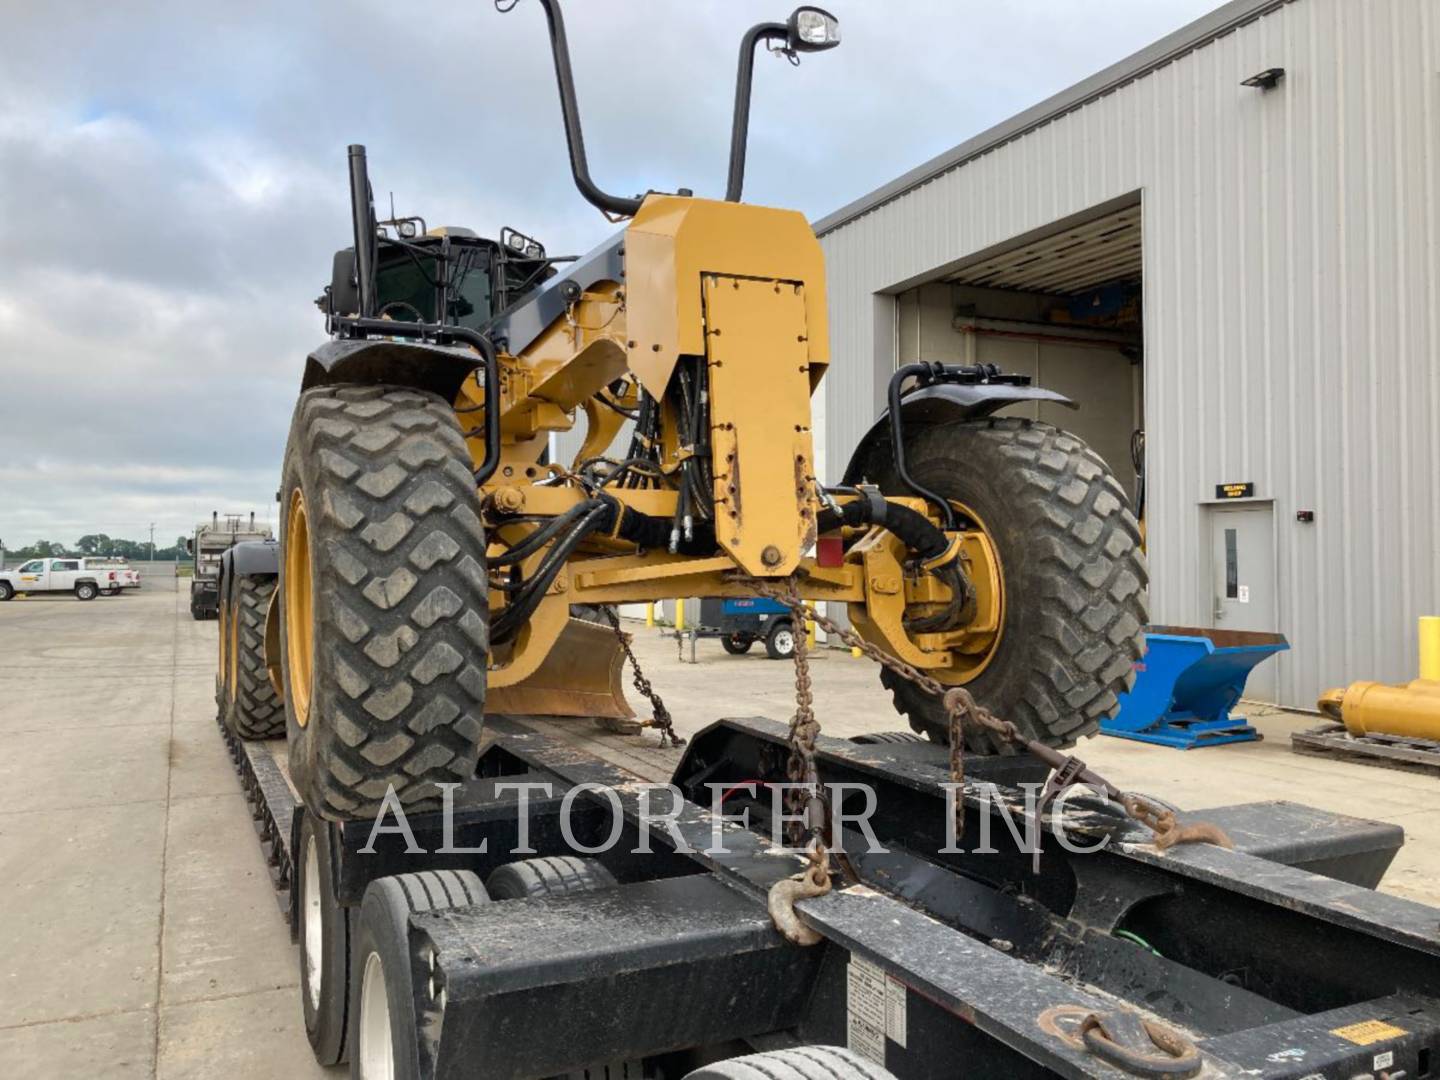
{"points": [[1062, 306]]}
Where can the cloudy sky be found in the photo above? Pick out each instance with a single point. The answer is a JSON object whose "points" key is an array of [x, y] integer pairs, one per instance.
{"points": [[172, 186]]}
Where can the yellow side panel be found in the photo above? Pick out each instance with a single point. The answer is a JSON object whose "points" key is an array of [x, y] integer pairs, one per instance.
{"points": [[672, 242], [760, 421]]}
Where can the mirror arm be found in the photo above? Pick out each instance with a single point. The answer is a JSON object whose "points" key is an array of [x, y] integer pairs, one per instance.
{"points": [[574, 138], [744, 77]]}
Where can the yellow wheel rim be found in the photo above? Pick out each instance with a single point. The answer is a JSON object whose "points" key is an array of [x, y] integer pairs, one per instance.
{"points": [[299, 608], [234, 651], [969, 665]]}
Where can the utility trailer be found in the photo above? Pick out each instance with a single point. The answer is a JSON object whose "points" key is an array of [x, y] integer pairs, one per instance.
{"points": [[1274, 960]]}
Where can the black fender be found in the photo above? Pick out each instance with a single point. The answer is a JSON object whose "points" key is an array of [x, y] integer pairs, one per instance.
{"points": [[251, 558], [941, 403], [441, 369], [255, 557]]}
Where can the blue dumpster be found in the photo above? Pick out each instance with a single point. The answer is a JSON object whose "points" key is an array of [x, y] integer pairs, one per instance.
{"points": [[1186, 684]]}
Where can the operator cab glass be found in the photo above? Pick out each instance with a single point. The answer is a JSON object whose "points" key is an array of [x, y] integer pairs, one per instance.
{"points": [[409, 284]]}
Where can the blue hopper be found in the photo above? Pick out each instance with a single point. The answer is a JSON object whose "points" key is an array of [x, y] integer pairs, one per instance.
{"points": [[1186, 684]]}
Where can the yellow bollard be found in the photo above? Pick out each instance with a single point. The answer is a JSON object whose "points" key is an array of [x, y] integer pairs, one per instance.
{"points": [[810, 634], [679, 614], [650, 613], [1430, 647]]}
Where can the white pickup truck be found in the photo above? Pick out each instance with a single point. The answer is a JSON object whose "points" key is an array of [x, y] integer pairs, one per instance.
{"points": [[86, 578]]}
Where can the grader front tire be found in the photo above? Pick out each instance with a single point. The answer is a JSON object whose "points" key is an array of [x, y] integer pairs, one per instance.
{"points": [[384, 616], [1072, 571]]}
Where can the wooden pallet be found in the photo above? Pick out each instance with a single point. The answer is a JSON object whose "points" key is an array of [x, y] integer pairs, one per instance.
{"points": [[1391, 751]]}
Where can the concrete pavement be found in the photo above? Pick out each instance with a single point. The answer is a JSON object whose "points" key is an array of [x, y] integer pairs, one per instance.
{"points": [[140, 935]]}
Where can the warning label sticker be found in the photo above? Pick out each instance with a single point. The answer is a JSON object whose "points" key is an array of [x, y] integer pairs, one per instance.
{"points": [[1361, 1034], [876, 1009]]}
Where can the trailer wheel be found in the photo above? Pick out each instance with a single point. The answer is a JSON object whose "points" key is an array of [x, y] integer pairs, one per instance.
{"points": [[800, 1063], [871, 738], [384, 1033], [555, 875], [738, 643], [324, 945], [252, 710], [1072, 571], [780, 640], [384, 600]]}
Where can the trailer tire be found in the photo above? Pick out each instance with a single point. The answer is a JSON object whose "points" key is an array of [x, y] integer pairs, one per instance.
{"points": [[799, 1063], [738, 643], [1073, 573], [324, 930], [872, 738], [780, 640], [86, 590], [379, 511], [382, 990], [253, 710], [554, 875]]}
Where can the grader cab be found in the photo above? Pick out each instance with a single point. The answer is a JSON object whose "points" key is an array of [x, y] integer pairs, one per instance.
{"points": [[432, 553]]}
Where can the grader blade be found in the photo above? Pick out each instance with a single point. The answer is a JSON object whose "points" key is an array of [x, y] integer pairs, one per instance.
{"points": [[580, 676]]}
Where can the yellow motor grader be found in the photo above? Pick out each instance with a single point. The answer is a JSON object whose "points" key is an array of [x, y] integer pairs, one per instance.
{"points": [[432, 553]]}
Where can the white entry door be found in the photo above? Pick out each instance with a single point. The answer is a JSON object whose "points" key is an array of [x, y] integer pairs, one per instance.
{"points": [[1242, 560]]}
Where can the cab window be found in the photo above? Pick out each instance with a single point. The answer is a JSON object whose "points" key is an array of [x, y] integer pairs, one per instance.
{"points": [[65, 564], [33, 567], [470, 290]]}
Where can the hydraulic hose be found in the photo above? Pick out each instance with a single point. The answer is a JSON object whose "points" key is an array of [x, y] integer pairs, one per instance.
{"points": [[911, 527], [603, 514], [914, 530]]}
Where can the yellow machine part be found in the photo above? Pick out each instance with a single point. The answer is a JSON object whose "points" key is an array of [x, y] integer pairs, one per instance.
{"points": [[670, 247], [742, 286], [760, 408], [1410, 711], [579, 676], [1371, 708], [273, 645]]}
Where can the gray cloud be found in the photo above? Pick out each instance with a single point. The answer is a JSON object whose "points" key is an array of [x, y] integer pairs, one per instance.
{"points": [[172, 184]]}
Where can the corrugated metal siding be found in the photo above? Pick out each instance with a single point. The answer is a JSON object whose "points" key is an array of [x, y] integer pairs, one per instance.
{"points": [[1292, 294]]}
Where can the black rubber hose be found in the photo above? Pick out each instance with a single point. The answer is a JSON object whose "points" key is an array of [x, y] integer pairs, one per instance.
{"points": [[913, 528], [509, 622], [540, 536], [596, 516]]}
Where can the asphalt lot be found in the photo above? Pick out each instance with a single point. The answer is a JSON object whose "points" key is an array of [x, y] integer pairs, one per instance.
{"points": [[140, 936]]}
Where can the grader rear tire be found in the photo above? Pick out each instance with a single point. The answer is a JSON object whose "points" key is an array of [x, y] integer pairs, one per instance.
{"points": [[1073, 576], [251, 709], [384, 614]]}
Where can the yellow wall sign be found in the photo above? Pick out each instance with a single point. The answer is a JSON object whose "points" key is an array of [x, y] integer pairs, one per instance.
{"points": [[1235, 491], [1368, 1031]]}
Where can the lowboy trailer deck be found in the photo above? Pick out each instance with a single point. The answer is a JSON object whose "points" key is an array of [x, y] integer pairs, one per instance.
{"points": [[1276, 959]]}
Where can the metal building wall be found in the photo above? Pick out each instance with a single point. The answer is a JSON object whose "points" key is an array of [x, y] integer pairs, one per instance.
{"points": [[1291, 295]]}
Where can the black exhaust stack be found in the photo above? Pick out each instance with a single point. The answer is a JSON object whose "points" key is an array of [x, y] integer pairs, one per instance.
{"points": [[362, 213]]}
